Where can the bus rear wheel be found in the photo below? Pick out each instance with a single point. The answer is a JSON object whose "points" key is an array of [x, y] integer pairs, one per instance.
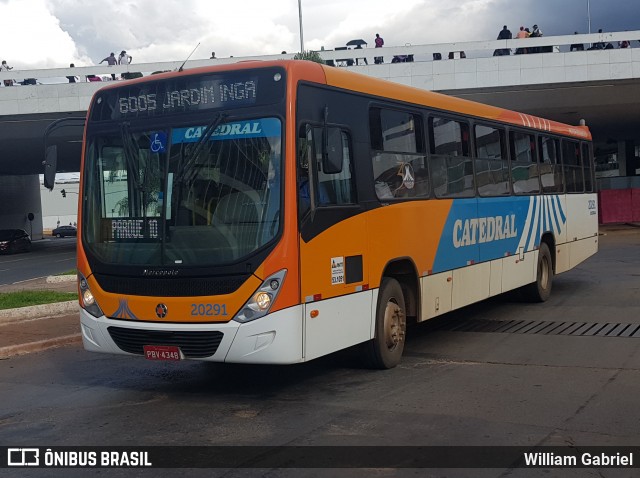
{"points": [[540, 290], [385, 350]]}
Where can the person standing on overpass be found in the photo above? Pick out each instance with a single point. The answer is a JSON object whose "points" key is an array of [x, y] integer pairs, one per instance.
{"points": [[111, 61], [505, 34], [124, 58], [379, 43], [6, 67]]}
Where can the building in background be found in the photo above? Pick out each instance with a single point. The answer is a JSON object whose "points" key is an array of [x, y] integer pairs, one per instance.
{"points": [[59, 209]]}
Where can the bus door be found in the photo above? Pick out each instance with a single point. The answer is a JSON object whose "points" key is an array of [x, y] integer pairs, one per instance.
{"points": [[333, 268]]}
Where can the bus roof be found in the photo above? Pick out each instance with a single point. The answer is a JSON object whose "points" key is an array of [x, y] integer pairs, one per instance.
{"points": [[357, 82], [345, 79]]}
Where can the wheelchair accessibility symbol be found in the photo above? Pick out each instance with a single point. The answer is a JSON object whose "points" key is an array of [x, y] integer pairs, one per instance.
{"points": [[158, 142]]}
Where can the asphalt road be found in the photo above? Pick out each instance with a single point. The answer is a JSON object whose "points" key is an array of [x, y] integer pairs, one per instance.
{"points": [[47, 257], [459, 384]]}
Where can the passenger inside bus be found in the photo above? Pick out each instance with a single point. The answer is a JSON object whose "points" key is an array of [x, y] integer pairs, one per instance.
{"points": [[304, 195]]}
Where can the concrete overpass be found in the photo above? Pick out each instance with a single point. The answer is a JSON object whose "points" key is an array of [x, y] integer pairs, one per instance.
{"points": [[600, 86]]}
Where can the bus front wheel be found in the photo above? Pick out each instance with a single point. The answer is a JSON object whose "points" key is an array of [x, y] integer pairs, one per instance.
{"points": [[385, 350], [540, 290]]}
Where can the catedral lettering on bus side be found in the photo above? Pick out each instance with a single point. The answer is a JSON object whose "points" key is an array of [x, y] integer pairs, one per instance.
{"points": [[483, 229]]}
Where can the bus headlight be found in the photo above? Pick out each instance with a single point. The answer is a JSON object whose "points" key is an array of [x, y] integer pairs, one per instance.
{"points": [[87, 300], [262, 300]]}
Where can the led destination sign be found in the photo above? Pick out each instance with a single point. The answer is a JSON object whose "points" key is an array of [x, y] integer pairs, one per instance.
{"points": [[130, 229], [210, 94], [190, 93]]}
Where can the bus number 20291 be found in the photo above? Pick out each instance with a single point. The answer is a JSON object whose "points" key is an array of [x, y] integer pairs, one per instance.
{"points": [[208, 309]]}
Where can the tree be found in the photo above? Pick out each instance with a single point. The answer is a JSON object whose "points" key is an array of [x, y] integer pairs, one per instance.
{"points": [[309, 56]]}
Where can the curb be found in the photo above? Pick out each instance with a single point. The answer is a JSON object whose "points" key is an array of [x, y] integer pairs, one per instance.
{"points": [[43, 310], [64, 278], [38, 311], [40, 345]]}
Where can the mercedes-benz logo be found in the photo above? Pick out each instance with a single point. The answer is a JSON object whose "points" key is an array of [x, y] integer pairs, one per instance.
{"points": [[161, 311]]}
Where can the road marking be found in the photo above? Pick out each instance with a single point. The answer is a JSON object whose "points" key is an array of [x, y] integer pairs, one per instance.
{"points": [[15, 260], [28, 280]]}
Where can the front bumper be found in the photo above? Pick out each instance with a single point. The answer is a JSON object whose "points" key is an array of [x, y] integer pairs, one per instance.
{"points": [[273, 339]]}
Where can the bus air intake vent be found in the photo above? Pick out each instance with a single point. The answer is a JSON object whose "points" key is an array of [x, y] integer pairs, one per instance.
{"points": [[192, 344], [171, 287]]}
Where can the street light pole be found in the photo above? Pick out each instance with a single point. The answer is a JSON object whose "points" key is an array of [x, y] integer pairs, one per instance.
{"points": [[588, 14], [300, 15]]}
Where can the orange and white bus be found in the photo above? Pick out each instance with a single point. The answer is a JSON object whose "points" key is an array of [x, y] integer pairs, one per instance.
{"points": [[276, 212]]}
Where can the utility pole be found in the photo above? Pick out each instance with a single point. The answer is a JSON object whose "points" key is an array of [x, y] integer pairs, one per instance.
{"points": [[589, 14], [300, 15]]}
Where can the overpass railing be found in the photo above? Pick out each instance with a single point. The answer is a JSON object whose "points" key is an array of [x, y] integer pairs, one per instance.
{"points": [[417, 53]]}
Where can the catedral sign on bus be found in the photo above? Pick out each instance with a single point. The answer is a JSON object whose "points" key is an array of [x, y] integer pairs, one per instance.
{"points": [[483, 229]]}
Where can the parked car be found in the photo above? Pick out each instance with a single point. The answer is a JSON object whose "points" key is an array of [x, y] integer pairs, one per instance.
{"points": [[64, 231], [14, 240]]}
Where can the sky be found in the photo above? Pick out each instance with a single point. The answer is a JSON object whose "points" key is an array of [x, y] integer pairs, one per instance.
{"points": [[54, 33]]}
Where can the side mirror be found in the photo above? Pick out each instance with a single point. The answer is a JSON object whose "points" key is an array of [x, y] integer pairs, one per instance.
{"points": [[50, 166], [333, 157]]}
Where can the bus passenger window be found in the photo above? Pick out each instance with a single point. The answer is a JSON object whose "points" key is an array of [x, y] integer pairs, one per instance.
{"points": [[450, 162], [524, 163], [572, 167], [587, 163], [492, 166], [399, 167], [550, 167], [330, 189], [338, 188]]}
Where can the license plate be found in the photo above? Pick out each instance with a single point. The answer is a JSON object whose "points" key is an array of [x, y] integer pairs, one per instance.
{"points": [[161, 352]]}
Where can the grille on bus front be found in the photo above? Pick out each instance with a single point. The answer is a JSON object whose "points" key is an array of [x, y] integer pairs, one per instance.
{"points": [[192, 344], [173, 287]]}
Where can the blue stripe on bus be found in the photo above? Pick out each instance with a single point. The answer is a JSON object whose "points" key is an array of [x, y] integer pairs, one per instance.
{"points": [[563, 218], [556, 217], [529, 232], [540, 223], [260, 128], [545, 219], [485, 229]]}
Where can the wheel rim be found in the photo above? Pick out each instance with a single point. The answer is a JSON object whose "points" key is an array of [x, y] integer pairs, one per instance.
{"points": [[543, 272], [394, 325]]}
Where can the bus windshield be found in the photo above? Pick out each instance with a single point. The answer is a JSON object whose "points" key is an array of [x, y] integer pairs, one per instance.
{"points": [[195, 195]]}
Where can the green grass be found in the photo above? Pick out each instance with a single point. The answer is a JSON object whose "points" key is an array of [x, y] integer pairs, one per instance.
{"points": [[13, 300], [72, 272]]}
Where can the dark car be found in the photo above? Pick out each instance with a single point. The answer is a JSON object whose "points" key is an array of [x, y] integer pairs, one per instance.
{"points": [[64, 231], [14, 240]]}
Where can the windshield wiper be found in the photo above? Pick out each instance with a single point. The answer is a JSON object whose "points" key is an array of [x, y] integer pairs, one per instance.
{"points": [[190, 159], [130, 153]]}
